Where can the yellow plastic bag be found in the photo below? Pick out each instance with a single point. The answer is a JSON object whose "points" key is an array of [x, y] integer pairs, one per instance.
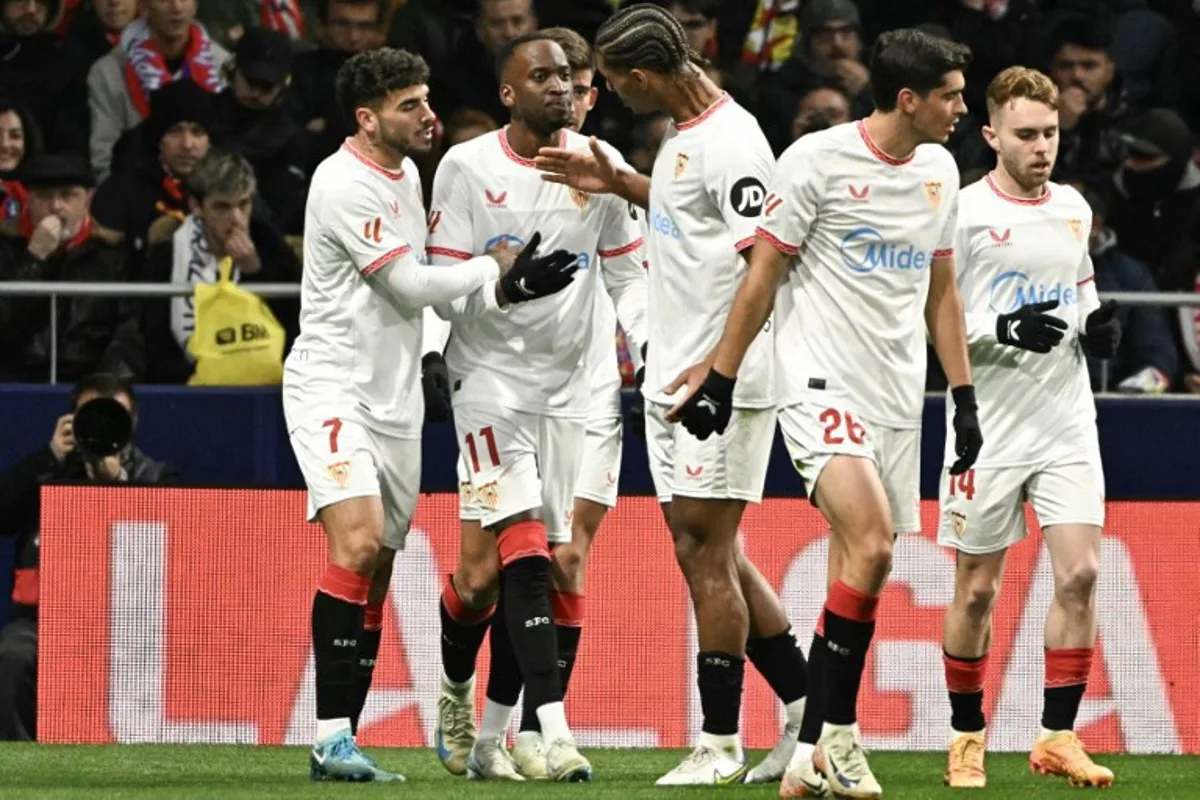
{"points": [[237, 341]]}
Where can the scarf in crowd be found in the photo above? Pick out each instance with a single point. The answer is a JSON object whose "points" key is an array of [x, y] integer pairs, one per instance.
{"points": [[1189, 321], [769, 42], [13, 200], [284, 16], [176, 204], [146, 68], [193, 261]]}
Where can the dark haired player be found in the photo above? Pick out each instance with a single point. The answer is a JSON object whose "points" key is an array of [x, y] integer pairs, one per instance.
{"points": [[521, 404], [855, 245], [704, 200], [351, 390]]}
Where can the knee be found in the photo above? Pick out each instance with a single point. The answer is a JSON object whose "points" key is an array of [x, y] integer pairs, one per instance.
{"points": [[478, 584], [875, 552], [1075, 586], [359, 550], [569, 562], [978, 598]]}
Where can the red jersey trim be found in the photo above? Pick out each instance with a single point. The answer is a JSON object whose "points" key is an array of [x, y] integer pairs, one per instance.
{"points": [[1020, 201], [390, 174], [777, 243], [949, 251], [1088, 279], [705, 114], [875, 151], [448, 252], [620, 251], [390, 255], [525, 162], [744, 243]]}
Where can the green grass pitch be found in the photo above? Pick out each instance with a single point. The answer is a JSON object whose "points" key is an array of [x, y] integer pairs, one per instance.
{"points": [[32, 772]]}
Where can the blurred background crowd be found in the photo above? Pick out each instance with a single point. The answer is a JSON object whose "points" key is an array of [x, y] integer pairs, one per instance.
{"points": [[143, 140]]}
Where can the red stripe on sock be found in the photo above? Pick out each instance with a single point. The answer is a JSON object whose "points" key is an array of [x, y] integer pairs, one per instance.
{"points": [[345, 585], [522, 540], [820, 626], [373, 617], [460, 611], [567, 609], [851, 604], [964, 677], [1068, 666]]}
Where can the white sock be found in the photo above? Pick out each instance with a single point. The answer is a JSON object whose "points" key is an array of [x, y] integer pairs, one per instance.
{"points": [[495, 720], [829, 729], [1047, 733], [955, 734], [553, 717], [455, 686], [328, 728], [803, 755], [795, 711], [730, 745]]}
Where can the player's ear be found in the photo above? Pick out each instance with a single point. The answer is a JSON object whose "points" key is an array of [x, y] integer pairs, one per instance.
{"points": [[365, 118], [989, 136], [506, 96], [593, 93], [906, 101]]}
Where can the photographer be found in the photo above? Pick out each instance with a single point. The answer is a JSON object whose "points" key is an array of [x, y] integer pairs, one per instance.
{"points": [[88, 444]]}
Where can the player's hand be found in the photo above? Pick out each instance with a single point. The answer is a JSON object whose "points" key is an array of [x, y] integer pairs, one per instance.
{"points": [[592, 172], [1102, 331], [1072, 105], [105, 469], [533, 276], [708, 406], [637, 409], [1031, 328], [435, 385], [853, 74], [968, 438], [63, 440], [505, 256], [47, 237], [241, 249]]}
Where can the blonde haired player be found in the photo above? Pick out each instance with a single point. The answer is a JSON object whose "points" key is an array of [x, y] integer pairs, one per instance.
{"points": [[1032, 314]]}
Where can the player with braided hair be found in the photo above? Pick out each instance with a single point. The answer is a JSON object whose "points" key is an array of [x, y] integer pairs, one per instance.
{"points": [[705, 198]]}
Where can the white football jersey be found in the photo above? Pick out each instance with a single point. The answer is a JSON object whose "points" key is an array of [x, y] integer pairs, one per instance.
{"points": [[706, 194], [358, 355], [605, 382], [534, 356], [1012, 252], [864, 228]]}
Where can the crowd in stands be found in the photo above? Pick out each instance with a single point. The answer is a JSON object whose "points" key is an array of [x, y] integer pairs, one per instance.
{"points": [[143, 140]]}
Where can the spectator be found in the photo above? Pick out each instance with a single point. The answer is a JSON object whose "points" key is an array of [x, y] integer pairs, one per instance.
{"points": [[343, 28], [1147, 361], [1156, 208], [96, 27], [699, 20], [20, 510], [228, 20], [460, 40], [830, 50], [1146, 53], [54, 240], [467, 124], [1091, 101], [44, 74], [166, 147], [256, 122], [221, 223], [648, 134], [164, 45], [821, 107], [19, 139]]}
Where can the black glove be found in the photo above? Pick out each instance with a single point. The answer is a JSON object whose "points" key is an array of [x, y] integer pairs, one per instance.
{"points": [[708, 410], [1031, 328], [435, 384], [534, 276], [637, 409], [968, 439], [1102, 331]]}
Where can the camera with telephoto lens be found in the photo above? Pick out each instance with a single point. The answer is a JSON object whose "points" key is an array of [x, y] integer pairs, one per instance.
{"points": [[102, 427]]}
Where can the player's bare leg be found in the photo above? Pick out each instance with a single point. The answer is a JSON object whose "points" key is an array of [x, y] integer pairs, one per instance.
{"points": [[468, 601], [966, 638], [354, 529], [851, 497], [705, 536], [368, 643], [773, 651], [569, 567], [1070, 639]]}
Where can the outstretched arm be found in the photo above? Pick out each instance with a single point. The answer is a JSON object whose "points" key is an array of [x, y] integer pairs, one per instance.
{"points": [[595, 172]]}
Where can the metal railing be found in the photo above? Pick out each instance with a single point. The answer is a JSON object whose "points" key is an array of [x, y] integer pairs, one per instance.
{"points": [[54, 290]]}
